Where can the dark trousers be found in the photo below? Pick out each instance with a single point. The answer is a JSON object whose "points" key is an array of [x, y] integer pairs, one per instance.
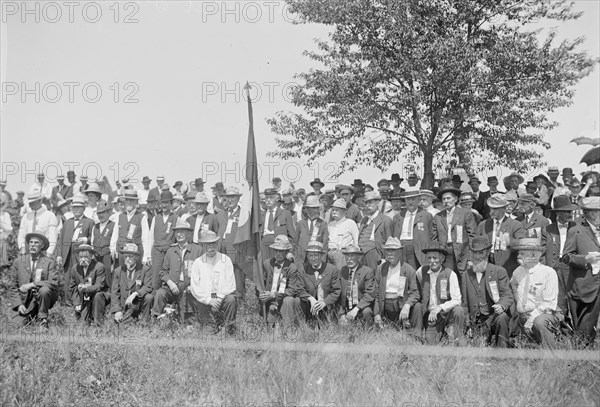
{"points": [[365, 315], [101, 300], [158, 258], [371, 259], [165, 296], [325, 315], [225, 315], [451, 322], [287, 308], [494, 327], [585, 317], [139, 307], [391, 311], [544, 328], [89, 311], [44, 298], [106, 260]]}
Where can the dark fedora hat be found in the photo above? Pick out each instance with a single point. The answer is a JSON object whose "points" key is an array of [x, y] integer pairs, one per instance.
{"points": [[562, 203], [317, 181], [434, 247], [480, 243]]}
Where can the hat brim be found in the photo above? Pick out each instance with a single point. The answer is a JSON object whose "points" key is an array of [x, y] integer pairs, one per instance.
{"points": [[443, 251], [275, 246], [352, 252], [129, 252], [392, 247], [211, 240], [570, 208], [519, 177], [473, 249], [530, 247], [87, 249], [317, 183], [44, 239], [409, 195], [454, 191], [189, 229]]}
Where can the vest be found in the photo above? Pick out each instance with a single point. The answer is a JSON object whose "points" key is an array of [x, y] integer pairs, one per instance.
{"points": [[482, 302], [102, 240], [364, 237], [162, 239], [426, 282], [124, 228]]}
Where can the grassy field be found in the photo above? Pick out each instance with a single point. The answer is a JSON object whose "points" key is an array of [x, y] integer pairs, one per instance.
{"points": [[170, 365]]}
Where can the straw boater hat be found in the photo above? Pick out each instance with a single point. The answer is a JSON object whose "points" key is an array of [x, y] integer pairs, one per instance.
{"points": [[315, 246], [130, 248], [426, 192], [131, 194], [61, 203], [182, 225], [201, 198], [281, 243], [352, 250], [435, 247], [497, 201], [372, 196], [480, 243], [93, 187], [34, 196], [411, 192], [84, 247], [312, 202], [44, 239], [78, 200], [208, 236], [529, 243], [393, 243], [339, 204], [232, 191], [591, 203]]}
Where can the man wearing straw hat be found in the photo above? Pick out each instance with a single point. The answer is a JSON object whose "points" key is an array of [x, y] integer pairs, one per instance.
{"points": [[131, 227], [535, 287], [87, 281], [281, 295], [174, 275], [397, 296], [39, 219], [319, 285], [101, 234], [161, 236], [201, 220], [93, 194], [487, 295], [375, 228], [131, 293], [212, 286], [36, 280], [357, 283], [582, 254], [311, 228]]}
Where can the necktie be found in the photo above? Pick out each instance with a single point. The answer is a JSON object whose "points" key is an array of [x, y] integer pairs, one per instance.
{"points": [[410, 224], [562, 225], [312, 227], [34, 224], [271, 220]]}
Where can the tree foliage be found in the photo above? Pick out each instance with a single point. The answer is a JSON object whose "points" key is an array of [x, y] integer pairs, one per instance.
{"points": [[431, 79]]}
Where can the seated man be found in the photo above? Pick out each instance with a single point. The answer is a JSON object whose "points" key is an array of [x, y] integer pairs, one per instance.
{"points": [[36, 279], [281, 284], [398, 294], [319, 285], [357, 284], [441, 298], [487, 294], [131, 294], [87, 280], [175, 270], [536, 293], [212, 286]]}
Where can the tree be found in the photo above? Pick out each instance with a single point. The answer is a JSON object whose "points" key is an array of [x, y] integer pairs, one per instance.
{"points": [[437, 79]]}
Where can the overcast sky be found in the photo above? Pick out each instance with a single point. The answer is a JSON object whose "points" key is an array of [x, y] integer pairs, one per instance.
{"points": [[171, 80]]}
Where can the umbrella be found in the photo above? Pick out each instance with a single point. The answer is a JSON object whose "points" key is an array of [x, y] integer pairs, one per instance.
{"points": [[586, 140], [591, 157]]}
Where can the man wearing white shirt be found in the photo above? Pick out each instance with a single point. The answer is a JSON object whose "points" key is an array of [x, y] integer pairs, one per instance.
{"points": [[145, 191], [343, 232], [202, 219], [212, 286], [375, 229], [43, 186], [39, 219], [426, 198], [441, 298], [161, 236], [536, 293], [131, 227]]}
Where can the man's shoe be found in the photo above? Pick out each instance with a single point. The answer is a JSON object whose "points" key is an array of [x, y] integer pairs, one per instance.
{"points": [[44, 323]]}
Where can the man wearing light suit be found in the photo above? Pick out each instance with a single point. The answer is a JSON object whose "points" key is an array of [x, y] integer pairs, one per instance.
{"points": [[373, 231]]}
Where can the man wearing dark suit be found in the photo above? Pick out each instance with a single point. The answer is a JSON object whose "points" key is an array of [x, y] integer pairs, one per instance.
{"points": [[397, 293], [313, 228], [155, 192], [453, 228], [346, 192], [131, 294], [502, 232], [275, 221], [319, 285], [493, 185], [554, 237], [36, 280], [202, 219], [101, 235], [533, 223], [479, 196], [59, 192], [415, 237], [373, 231], [487, 295], [357, 283], [75, 231], [582, 254], [87, 284]]}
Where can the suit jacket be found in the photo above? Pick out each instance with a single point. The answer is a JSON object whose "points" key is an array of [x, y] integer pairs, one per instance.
{"points": [[330, 283], [96, 275], [208, 219], [65, 242], [469, 290], [353, 212], [411, 290], [582, 284], [463, 223], [289, 271], [422, 231], [383, 226], [243, 249], [122, 287], [173, 266], [551, 240], [45, 266], [485, 211], [510, 229], [283, 224], [303, 236], [534, 227], [480, 203], [365, 279]]}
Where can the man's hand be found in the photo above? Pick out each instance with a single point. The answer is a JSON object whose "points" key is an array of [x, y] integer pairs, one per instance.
{"points": [[147, 262], [434, 314], [173, 287], [215, 304], [59, 260], [318, 306], [498, 309], [352, 314], [266, 296], [405, 312], [378, 321], [26, 287], [78, 308], [528, 325], [289, 256], [22, 309], [129, 300], [592, 257], [118, 316]]}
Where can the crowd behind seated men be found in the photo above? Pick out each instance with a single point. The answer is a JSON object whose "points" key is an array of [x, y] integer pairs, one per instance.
{"points": [[440, 264]]}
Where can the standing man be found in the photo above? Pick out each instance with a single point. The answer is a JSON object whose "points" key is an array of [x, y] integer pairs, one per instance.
{"points": [[346, 192], [357, 283], [40, 220], [426, 198], [342, 232], [93, 194], [161, 237], [218, 197], [492, 183], [312, 228], [375, 229], [317, 185], [43, 186], [276, 221], [533, 223], [73, 185], [101, 234], [201, 220], [412, 226], [478, 196], [396, 181], [487, 295], [145, 191], [155, 192], [60, 189], [131, 227]]}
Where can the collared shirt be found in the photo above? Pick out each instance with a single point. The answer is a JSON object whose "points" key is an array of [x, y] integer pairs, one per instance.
{"points": [[210, 276], [197, 225], [407, 226], [496, 236], [5, 226], [270, 213], [312, 223], [536, 289], [342, 233], [41, 221], [449, 216], [454, 292], [392, 284], [562, 230], [146, 244]]}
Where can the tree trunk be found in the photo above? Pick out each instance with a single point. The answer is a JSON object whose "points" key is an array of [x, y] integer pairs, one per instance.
{"points": [[462, 151], [428, 175]]}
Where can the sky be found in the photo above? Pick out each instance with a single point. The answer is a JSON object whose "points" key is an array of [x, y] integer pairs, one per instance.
{"points": [[131, 89]]}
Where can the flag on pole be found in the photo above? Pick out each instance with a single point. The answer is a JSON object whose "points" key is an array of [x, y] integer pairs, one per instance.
{"points": [[248, 231]]}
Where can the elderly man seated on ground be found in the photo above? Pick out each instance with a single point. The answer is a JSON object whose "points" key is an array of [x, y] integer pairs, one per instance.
{"points": [[357, 283], [36, 281], [87, 281], [536, 294], [211, 293]]}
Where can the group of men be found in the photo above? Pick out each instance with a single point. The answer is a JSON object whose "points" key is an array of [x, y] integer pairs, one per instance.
{"points": [[440, 264]]}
